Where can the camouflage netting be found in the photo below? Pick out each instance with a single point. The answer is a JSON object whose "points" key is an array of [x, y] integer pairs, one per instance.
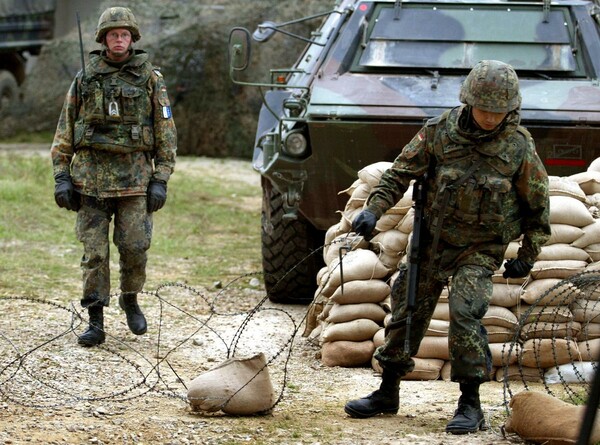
{"points": [[188, 40]]}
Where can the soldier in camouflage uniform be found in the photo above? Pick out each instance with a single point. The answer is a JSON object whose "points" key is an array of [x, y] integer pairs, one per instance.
{"points": [[113, 153], [485, 186]]}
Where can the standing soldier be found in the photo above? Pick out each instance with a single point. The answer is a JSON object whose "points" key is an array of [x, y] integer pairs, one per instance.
{"points": [[112, 155], [486, 186]]}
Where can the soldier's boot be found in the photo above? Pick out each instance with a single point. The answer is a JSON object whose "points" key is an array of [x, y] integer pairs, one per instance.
{"points": [[135, 318], [385, 400], [94, 335], [468, 417]]}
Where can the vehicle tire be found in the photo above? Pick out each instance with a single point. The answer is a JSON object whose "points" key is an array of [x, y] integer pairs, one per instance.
{"points": [[291, 253], [9, 91]]}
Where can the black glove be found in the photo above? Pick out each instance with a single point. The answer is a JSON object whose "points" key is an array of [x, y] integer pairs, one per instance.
{"points": [[157, 195], [64, 193], [516, 268], [364, 224]]}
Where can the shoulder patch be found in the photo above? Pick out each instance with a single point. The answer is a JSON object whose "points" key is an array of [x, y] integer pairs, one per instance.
{"points": [[157, 72]]}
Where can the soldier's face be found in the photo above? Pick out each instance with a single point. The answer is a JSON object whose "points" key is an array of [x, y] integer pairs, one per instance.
{"points": [[118, 42], [486, 119]]}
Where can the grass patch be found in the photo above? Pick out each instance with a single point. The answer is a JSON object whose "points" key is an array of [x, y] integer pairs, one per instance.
{"points": [[208, 231], [27, 137]]}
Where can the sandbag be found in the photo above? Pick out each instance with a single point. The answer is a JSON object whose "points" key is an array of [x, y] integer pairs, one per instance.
{"points": [[561, 186], [347, 353], [564, 233], [504, 353], [541, 418], [371, 174], [586, 311], [589, 331], [434, 347], [379, 337], [550, 291], [547, 329], [438, 328], [355, 330], [238, 386], [499, 334], [562, 251], [591, 235], [361, 291], [571, 211], [557, 269], [360, 264], [589, 181], [340, 313], [553, 314], [589, 350], [593, 250], [499, 316], [547, 352], [576, 372], [518, 373], [506, 295]]}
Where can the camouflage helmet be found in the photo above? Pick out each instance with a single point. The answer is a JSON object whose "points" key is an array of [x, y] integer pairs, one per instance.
{"points": [[492, 86], [117, 17]]}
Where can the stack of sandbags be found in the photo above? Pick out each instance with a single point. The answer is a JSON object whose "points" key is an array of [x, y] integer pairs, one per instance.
{"points": [[348, 316]]}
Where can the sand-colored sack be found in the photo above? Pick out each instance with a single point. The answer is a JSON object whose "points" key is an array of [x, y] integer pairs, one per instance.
{"points": [[512, 250], [564, 233], [371, 174], [391, 242], [589, 331], [499, 316], [355, 330], [518, 373], [407, 223], [341, 313], [503, 355], [550, 291], [499, 334], [314, 312], [589, 350], [552, 314], [347, 353], [442, 311], [361, 291], [331, 251], [561, 186], [594, 166], [506, 295], [360, 264], [358, 197], [438, 328], [542, 418], [555, 252], [586, 311], [547, 352], [238, 386], [557, 269], [593, 250], [589, 181], [591, 235], [434, 347], [379, 338], [571, 211], [547, 329]]}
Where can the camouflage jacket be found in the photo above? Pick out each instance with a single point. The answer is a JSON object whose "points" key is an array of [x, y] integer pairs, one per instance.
{"points": [[481, 186], [115, 132]]}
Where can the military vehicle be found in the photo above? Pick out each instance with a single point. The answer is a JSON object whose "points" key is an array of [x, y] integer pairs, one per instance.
{"points": [[370, 75], [25, 26]]}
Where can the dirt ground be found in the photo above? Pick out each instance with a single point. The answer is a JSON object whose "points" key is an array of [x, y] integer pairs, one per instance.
{"points": [[133, 390]]}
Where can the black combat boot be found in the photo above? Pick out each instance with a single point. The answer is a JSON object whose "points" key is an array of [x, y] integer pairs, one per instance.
{"points": [[135, 318], [383, 401], [94, 334], [468, 417]]}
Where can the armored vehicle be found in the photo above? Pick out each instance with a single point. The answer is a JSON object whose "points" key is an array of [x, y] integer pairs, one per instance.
{"points": [[370, 75], [25, 26]]}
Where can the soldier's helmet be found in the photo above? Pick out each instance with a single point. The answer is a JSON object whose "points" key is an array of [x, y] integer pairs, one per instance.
{"points": [[492, 86], [117, 17]]}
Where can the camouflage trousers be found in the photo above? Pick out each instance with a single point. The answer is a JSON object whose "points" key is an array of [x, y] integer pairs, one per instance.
{"points": [[471, 269], [132, 235]]}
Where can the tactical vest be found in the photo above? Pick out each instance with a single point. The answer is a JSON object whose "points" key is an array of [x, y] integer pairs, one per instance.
{"points": [[472, 194], [116, 111]]}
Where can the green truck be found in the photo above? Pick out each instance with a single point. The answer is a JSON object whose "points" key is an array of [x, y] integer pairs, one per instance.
{"points": [[25, 26], [372, 72]]}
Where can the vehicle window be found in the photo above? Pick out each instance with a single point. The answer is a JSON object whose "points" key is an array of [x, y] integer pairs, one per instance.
{"points": [[446, 37]]}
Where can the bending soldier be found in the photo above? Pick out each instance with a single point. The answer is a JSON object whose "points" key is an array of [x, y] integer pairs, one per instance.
{"points": [[113, 153], [485, 186]]}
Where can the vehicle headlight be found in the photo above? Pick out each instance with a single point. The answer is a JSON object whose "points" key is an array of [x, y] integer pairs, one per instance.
{"points": [[295, 144]]}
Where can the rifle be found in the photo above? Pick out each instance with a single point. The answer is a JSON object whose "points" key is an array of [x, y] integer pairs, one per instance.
{"points": [[80, 43], [414, 255]]}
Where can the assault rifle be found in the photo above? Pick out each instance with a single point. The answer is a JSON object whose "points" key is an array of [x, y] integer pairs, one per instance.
{"points": [[80, 44], [414, 254]]}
